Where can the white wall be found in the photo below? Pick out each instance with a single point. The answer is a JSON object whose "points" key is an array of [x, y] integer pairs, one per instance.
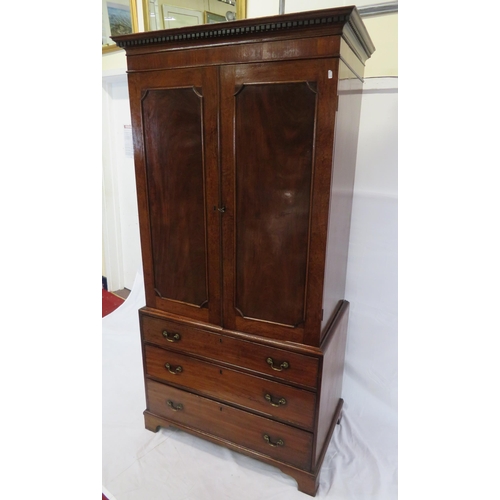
{"points": [[371, 373], [259, 8], [121, 242]]}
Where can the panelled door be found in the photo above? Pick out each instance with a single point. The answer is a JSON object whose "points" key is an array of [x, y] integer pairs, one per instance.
{"points": [[277, 124], [250, 147], [174, 113]]}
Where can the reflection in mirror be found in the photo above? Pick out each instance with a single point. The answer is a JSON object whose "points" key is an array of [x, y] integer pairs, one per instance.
{"points": [[119, 17], [164, 14]]}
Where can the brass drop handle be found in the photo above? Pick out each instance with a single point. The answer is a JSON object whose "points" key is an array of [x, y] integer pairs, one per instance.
{"points": [[173, 372], [267, 439], [171, 337], [281, 401], [174, 407], [281, 367]]}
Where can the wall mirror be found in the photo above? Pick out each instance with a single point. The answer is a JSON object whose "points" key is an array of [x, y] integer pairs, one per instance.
{"points": [[164, 14], [119, 17]]}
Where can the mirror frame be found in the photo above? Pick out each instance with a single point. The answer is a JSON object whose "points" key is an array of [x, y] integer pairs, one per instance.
{"points": [[135, 27], [241, 11]]}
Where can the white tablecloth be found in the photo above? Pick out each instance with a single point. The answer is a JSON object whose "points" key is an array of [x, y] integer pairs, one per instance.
{"points": [[361, 461]]}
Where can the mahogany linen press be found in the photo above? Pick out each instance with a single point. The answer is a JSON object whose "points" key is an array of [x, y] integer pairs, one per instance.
{"points": [[245, 136]]}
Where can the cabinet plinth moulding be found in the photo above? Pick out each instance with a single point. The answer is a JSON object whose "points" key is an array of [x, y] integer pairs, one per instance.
{"points": [[245, 137]]}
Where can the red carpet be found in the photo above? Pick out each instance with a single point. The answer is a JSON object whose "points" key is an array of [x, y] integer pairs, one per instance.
{"points": [[110, 302]]}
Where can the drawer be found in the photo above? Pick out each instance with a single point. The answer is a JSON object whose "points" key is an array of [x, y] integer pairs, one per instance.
{"points": [[274, 399], [278, 363], [273, 439]]}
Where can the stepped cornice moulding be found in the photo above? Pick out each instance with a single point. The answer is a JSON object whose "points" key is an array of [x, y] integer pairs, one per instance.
{"points": [[345, 21]]}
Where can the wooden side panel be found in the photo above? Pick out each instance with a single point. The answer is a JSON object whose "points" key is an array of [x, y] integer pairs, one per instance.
{"points": [[174, 154], [331, 379], [344, 166]]}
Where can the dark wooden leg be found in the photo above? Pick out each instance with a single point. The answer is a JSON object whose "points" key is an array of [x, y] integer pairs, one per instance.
{"points": [[308, 485], [153, 423], [306, 482]]}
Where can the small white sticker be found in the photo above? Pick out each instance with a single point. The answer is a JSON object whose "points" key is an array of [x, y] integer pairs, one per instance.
{"points": [[330, 74]]}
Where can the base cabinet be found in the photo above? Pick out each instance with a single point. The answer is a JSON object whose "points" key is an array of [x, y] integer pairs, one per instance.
{"points": [[228, 392], [245, 137]]}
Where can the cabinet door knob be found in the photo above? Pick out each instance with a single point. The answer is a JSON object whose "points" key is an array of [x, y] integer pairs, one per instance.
{"points": [[176, 371], [282, 366], [220, 209], [171, 337], [267, 439], [281, 401]]}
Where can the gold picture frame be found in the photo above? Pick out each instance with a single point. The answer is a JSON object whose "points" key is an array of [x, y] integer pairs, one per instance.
{"points": [[119, 17], [152, 11]]}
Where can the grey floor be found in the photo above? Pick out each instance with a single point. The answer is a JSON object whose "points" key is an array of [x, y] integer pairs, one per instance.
{"points": [[124, 293]]}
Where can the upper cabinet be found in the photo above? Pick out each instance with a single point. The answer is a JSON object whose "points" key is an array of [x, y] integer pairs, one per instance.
{"points": [[241, 201]]}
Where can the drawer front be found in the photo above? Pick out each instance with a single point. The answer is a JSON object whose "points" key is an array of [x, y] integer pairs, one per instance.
{"points": [[282, 402], [278, 363], [273, 439]]}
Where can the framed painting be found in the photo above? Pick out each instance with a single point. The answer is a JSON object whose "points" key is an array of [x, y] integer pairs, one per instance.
{"points": [[164, 14], [119, 17], [178, 17], [211, 18]]}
